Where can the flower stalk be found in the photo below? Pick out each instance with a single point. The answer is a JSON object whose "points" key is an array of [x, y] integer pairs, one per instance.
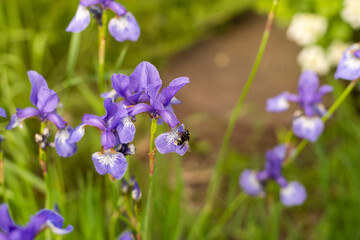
{"points": [[215, 181], [151, 173], [43, 160], [102, 48]]}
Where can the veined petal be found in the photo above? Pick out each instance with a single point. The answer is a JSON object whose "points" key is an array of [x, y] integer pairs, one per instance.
{"points": [[248, 181], [124, 28], [3, 112], [37, 82], [293, 194], [56, 119], [27, 113], [167, 142], [81, 19], [308, 128], [95, 121], [107, 139], [110, 162], [168, 93], [6, 223], [144, 75], [126, 130], [77, 134], [47, 100], [277, 104], [117, 8], [62, 145]]}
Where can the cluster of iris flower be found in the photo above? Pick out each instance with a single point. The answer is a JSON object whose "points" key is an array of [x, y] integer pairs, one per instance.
{"points": [[139, 93], [307, 126]]}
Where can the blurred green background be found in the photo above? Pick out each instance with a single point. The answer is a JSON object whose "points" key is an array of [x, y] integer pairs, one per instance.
{"points": [[33, 37]]}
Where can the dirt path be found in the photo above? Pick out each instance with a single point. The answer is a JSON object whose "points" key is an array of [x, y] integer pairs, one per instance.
{"points": [[218, 69]]}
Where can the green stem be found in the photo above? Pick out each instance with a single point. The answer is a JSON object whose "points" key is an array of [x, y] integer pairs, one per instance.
{"points": [[235, 204], [2, 178], [102, 44], [326, 117], [149, 196], [43, 160], [215, 180]]}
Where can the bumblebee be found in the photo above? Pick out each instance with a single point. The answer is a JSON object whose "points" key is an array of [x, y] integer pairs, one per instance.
{"points": [[183, 138]]}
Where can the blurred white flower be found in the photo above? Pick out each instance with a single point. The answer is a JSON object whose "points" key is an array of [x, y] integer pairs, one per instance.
{"points": [[336, 50], [314, 58], [306, 28], [351, 13]]}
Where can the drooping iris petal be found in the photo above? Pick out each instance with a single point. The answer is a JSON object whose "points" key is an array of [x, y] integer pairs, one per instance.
{"points": [[56, 119], [117, 8], [139, 108], [166, 143], [120, 83], [3, 113], [126, 130], [308, 128], [349, 65], [107, 139], [37, 82], [167, 115], [167, 94], [110, 162], [6, 223], [14, 122], [77, 134], [124, 28], [27, 113], [293, 194], [62, 145], [144, 75], [277, 104], [80, 21], [47, 100], [248, 181], [49, 219], [95, 121], [126, 236]]}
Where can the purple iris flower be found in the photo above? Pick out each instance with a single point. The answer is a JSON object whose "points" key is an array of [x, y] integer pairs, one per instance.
{"points": [[160, 101], [349, 65], [126, 236], [171, 141], [45, 101], [122, 27], [42, 220], [310, 126], [3, 113], [291, 193], [116, 129]]}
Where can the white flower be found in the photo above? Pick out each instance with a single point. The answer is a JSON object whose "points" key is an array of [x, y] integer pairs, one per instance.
{"points": [[306, 28], [314, 58], [336, 51], [351, 13]]}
